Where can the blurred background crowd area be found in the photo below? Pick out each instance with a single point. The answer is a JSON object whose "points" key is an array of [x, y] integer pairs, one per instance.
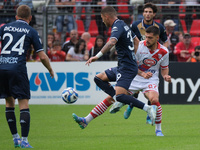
{"points": [[62, 23]]}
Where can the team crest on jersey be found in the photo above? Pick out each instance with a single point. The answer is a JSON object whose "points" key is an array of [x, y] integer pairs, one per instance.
{"points": [[149, 62], [143, 37], [114, 29]]}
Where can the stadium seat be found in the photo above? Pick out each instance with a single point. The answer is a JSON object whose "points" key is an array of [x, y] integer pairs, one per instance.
{"points": [[182, 12], [195, 29], [196, 40], [183, 24], [157, 20], [123, 10], [92, 40], [109, 31], [93, 29], [80, 27]]}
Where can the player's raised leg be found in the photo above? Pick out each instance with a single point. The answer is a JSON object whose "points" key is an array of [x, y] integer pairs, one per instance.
{"points": [[127, 112], [117, 105], [96, 111]]}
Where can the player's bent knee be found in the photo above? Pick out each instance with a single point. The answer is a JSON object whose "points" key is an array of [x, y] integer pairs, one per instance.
{"points": [[154, 101], [120, 97], [110, 99], [97, 80]]}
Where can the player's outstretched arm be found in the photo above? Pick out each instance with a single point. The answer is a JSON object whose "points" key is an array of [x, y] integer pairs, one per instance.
{"points": [[92, 59], [105, 49], [45, 61]]}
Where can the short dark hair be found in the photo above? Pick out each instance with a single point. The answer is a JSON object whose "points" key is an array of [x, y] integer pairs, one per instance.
{"points": [[153, 29], [197, 47], [109, 10], [23, 11], [150, 5]]}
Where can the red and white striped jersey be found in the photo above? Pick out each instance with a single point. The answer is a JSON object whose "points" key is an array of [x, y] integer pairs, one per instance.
{"points": [[149, 61]]}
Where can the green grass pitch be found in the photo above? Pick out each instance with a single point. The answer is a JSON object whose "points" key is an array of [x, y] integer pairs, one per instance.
{"points": [[52, 128]]}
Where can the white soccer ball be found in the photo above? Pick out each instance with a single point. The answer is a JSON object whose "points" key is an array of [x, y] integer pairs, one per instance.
{"points": [[69, 95], [132, 2]]}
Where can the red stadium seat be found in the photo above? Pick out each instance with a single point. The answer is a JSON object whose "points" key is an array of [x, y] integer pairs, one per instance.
{"points": [[182, 11], [93, 29], [109, 32], [196, 40], [92, 40], [123, 10], [195, 29], [157, 20], [80, 27], [183, 24]]}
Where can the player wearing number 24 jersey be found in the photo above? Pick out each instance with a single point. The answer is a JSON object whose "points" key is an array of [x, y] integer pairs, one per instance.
{"points": [[17, 37], [16, 40]]}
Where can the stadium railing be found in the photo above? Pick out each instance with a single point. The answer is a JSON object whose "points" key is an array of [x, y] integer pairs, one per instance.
{"points": [[47, 12]]}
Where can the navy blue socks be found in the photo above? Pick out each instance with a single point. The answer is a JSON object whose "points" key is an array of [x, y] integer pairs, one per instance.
{"points": [[128, 99], [25, 122], [105, 86], [10, 117]]}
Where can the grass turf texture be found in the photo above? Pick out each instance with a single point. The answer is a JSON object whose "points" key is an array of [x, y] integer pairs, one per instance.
{"points": [[52, 128]]}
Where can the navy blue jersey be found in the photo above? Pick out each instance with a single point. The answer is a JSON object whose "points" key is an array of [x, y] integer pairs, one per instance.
{"points": [[139, 29], [16, 38], [125, 45]]}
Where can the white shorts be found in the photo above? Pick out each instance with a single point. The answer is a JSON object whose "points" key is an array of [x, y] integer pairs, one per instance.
{"points": [[143, 86]]}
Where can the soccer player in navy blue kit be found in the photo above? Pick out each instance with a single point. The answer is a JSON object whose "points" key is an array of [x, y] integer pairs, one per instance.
{"points": [[16, 38], [139, 28], [125, 42]]}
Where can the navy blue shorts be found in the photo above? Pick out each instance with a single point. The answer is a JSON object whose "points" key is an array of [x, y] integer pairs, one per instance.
{"points": [[15, 84], [122, 76]]}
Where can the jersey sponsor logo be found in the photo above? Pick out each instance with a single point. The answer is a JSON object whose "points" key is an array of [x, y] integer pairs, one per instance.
{"points": [[114, 29], [150, 62], [151, 70], [143, 52], [79, 81], [8, 60], [15, 29]]}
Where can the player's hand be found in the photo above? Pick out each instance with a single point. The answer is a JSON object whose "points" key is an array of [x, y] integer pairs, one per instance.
{"points": [[147, 75], [167, 78], [51, 73], [92, 59]]}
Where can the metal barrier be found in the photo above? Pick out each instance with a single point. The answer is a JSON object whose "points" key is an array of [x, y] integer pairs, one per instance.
{"points": [[46, 12]]}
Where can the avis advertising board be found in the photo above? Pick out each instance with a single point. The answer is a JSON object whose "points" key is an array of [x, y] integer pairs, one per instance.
{"points": [[184, 89]]}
